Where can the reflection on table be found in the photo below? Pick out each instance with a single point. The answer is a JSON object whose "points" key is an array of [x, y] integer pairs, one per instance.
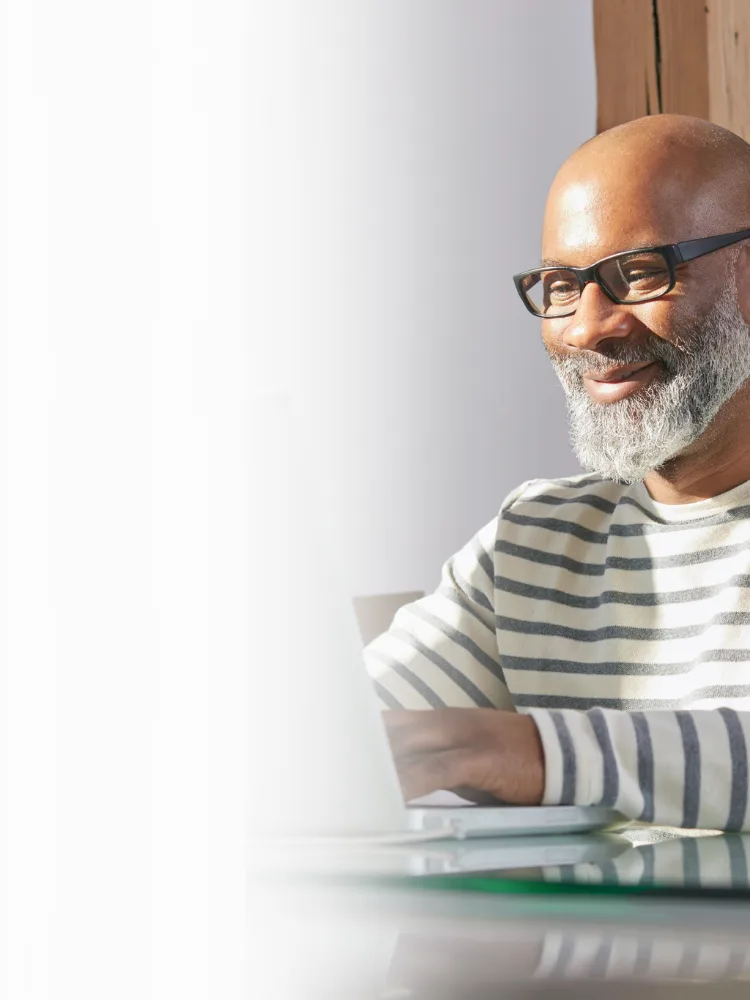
{"points": [[412, 938], [717, 861]]}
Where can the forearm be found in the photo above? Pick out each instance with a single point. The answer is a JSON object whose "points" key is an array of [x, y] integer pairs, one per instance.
{"points": [[687, 768]]}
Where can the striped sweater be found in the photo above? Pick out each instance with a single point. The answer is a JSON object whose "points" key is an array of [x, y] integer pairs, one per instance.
{"points": [[621, 625]]}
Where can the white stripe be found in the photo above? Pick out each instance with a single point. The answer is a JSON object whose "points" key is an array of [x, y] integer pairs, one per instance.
{"points": [[653, 580], [631, 687], [628, 650], [674, 615]]}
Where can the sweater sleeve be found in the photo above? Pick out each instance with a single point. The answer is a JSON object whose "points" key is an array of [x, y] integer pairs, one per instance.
{"points": [[672, 768], [441, 650]]}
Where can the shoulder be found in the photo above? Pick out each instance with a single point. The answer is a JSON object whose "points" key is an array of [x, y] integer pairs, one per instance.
{"points": [[585, 499], [562, 496]]}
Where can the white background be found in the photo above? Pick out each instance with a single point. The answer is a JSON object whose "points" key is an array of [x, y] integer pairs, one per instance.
{"points": [[122, 357], [409, 147]]}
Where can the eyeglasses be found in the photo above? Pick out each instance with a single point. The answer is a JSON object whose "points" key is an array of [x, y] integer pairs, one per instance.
{"points": [[630, 277]]}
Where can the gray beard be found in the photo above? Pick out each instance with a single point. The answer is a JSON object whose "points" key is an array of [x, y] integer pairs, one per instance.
{"points": [[632, 437]]}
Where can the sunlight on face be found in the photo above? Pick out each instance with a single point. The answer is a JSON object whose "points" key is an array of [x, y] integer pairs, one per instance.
{"points": [[628, 439], [573, 216]]}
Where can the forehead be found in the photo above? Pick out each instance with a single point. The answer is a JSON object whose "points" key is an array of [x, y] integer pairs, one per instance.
{"points": [[590, 215]]}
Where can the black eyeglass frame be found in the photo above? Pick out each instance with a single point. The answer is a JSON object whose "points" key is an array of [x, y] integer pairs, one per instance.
{"points": [[673, 254]]}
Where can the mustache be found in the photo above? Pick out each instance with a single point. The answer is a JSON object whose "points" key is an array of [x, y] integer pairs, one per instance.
{"points": [[670, 356]]}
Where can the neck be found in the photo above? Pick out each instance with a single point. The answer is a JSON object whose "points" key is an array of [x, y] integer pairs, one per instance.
{"points": [[716, 462]]}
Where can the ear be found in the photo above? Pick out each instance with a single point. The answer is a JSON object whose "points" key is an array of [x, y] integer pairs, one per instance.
{"points": [[742, 278]]}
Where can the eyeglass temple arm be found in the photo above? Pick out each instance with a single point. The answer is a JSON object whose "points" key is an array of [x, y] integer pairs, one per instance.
{"points": [[691, 249]]}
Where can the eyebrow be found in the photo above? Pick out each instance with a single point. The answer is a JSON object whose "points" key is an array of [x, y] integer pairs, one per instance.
{"points": [[552, 262]]}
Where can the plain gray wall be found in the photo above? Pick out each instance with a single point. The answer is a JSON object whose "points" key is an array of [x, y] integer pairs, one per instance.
{"points": [[424, 135]]}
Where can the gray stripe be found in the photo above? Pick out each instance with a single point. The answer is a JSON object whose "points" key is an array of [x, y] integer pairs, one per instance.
{"points": [[737, 860], [645, 755], [691, 862], [605, 506], [659, 526], [629, 598], [619, 562], [589, 499], [563, 526], [691, 747], [548, 558], [567, 795], [385, 696], [610, 873], [738, 750], [557, 524], [583, 703], [411, 678], [611, 786], [577, 482], [735, 964], [565, 873], [725, 517], [483, 558], [450, 592], [642, 964], [461, 640], [562, 963], [600, 961], [621, 667], [474, 593], [459, 679], [687, 967], [650, 514], [629, 632], [551, 873], [647, 875], [656, 523]]}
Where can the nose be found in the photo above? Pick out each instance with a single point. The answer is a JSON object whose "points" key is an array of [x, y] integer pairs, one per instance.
{"points": [[596, 319]]}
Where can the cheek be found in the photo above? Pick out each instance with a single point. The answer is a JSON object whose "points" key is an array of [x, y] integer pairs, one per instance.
{"points": [[673, 322], [552, 336], [660, 316]]}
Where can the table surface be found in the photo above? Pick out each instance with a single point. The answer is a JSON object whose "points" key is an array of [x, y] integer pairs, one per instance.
{"points": [[417, 923]]}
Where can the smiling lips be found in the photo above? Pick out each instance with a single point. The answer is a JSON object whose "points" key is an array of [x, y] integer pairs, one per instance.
{"points": [[617, 383]]}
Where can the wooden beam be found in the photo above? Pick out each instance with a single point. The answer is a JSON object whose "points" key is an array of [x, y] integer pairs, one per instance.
{"points": [[626, 78], [680, 28], [729, 64], [652, 56]]}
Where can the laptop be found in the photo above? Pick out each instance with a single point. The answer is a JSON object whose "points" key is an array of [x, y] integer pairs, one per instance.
{"points": [[319, 763]]}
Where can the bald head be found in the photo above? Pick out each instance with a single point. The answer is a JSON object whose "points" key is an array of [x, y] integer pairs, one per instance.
{"points": [[669, 131], [660, 179]]}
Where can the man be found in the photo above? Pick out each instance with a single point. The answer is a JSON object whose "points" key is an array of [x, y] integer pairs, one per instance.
{"points": [[591, 644]]}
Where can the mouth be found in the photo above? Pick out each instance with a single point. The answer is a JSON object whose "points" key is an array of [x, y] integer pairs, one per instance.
{"points": [[619, 382]]}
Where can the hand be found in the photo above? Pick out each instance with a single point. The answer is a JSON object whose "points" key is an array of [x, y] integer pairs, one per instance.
{"points": [[483, 749]]}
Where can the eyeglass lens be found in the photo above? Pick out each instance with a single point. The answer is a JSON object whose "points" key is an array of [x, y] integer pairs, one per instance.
{"points": [[631, 277]]}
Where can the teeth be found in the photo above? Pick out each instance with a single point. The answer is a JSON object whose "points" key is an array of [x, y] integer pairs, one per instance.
{"points": [[625, 374]]}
